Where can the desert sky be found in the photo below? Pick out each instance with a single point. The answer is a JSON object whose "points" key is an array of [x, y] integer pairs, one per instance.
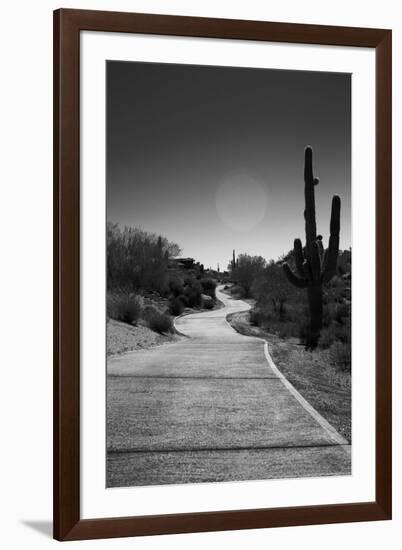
{"points": [[212, 157]]}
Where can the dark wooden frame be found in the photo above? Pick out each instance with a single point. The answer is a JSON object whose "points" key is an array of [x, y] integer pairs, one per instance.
{"points": [[67, 26]]}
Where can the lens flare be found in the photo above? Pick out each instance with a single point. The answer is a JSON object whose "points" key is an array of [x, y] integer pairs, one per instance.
{"points": [[241, 202]]}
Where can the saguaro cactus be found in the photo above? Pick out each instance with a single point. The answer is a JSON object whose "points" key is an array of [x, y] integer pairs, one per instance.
{"points": [[313, 266]]}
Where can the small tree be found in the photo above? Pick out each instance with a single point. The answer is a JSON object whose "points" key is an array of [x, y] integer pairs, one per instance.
{"points": [[271, 287], [137, 259], [248, 269]]}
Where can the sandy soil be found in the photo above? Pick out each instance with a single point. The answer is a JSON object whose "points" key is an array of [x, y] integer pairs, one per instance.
{"points": [[122, 337]]}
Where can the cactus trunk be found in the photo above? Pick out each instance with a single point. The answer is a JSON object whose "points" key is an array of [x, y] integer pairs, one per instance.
{"points": [[314, 294]]}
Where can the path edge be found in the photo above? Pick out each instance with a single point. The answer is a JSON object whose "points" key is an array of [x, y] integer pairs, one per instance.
{"points": [[329, 429]]}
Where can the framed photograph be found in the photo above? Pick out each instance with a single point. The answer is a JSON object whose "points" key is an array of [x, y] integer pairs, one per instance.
{"points": [[220, 362]]}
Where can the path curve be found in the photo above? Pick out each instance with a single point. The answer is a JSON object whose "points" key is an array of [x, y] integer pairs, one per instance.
{"points": [[211, 408]]}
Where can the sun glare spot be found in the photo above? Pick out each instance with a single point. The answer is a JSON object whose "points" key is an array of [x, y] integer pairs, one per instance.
{"points": [[241, 201]]}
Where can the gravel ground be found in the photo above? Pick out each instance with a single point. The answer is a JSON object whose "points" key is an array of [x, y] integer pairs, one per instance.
{"points": [[122, 337]]}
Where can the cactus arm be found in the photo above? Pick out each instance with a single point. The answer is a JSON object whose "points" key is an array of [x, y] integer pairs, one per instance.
{"points": [[329, 268], [335, 223], [294, 279], [299, 258]]}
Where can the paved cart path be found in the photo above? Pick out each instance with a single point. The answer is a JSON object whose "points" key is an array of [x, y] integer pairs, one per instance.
{"points": [[212, 407]]}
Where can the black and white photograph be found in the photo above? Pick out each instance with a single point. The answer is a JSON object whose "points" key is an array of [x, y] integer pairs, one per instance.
{"points": [[229, 254], [191, 358]]}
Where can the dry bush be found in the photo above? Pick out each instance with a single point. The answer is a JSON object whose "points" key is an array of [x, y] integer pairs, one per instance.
{"points": [[176, 285], [208, 304], [193, 291], [124, 308], [176, 306], [159, 322]]}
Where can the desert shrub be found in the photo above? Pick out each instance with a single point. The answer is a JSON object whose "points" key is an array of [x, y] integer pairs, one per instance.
{"points": [[110, 313], [127, 309], [327, 337], [256, 317], [193, 291], [304, 331], [208, 287], [267, 318], [208, 304], [159, 322], [333, 333], [193, 297], [183, 299], [149, 311], [343, 332], [288, 329], [176, 306], [176, 286], [340, 331], [337, 290], [336, 281], [335, 311], [342, 312], [340, 356], [237, 291], [162, 286], [345, 262]]}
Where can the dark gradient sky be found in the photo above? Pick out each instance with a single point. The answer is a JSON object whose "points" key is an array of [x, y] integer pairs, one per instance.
{"points": [[212, 157]]}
